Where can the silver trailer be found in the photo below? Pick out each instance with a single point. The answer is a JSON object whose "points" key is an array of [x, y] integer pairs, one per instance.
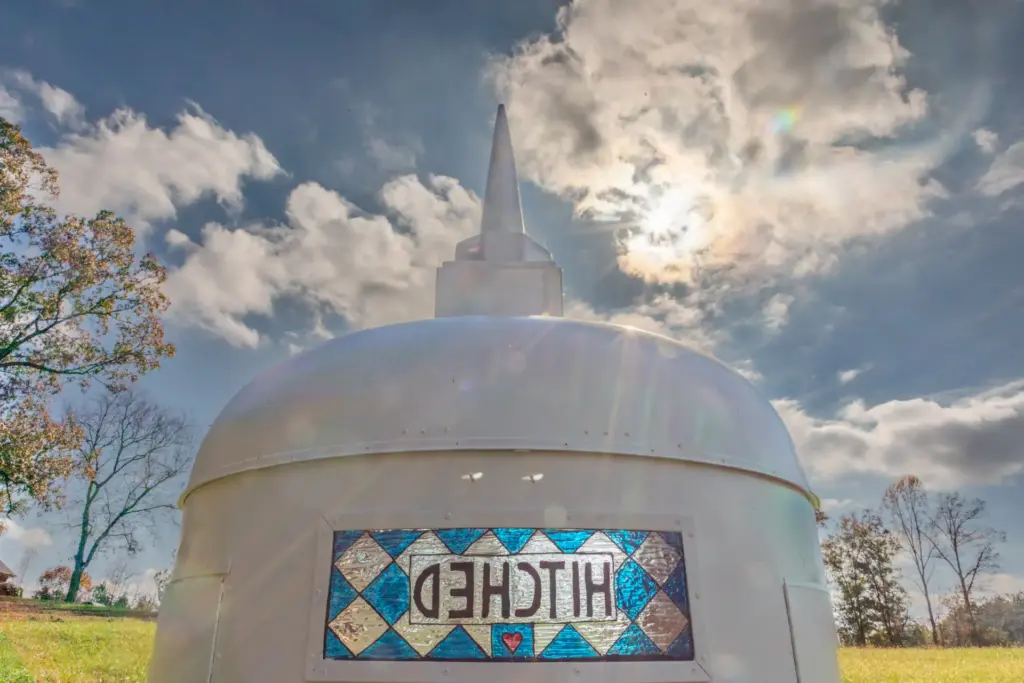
{"points": [[498, 494]]}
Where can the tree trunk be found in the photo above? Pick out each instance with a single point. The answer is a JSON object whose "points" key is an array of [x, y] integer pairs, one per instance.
{"points": [[76, 581], [931, 617], [76, 574], [862, 628], [971, 623]]}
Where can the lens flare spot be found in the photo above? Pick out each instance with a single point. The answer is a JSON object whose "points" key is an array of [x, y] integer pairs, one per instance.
{"points": [[785, 120]]}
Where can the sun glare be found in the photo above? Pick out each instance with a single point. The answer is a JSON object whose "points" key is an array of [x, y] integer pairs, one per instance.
{"points": [[671, 230]]}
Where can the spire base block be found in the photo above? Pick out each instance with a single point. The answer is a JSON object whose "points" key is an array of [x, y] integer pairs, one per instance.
{"points": [[489, 288]]}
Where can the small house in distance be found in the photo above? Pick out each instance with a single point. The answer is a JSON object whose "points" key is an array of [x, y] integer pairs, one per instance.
{"points": [[6, 587]]}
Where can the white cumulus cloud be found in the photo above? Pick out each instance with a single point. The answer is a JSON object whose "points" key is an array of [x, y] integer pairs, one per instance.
{"points": [[847, 376], [1002, 583], [974, 439], [58, 102], [776, 311], [24, 537], [1005, 173], [682, 319], [985, 139], [140, 172], [330, 255], [725, 134], [833, 504], [123, 164], [11, 107]]}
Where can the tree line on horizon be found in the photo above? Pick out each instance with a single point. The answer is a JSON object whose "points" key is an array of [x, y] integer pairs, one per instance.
{"points": [[862, 552]]}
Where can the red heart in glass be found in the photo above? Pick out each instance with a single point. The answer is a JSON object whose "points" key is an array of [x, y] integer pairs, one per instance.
{"points": [[512, 641]]}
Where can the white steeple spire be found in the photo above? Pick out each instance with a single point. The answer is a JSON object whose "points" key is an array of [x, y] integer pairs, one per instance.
{"points": [[502, 208], [502, 270]]}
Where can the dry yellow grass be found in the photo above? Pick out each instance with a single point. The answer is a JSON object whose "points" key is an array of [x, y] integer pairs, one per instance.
{"points": [[40, 649], [961, 665]]}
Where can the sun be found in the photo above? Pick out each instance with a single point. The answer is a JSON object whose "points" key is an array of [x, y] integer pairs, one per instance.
{"points": [[671, 231]]}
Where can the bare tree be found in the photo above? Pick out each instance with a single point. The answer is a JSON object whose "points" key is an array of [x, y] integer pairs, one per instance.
{"points": [[117, 581], [968, 548], [908, 508], [162, 579], [131, 457], [27, 558]]}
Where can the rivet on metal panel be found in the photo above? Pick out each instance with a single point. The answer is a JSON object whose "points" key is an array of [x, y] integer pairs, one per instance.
{"points": [[627, 433], [423, 431], [405, 431], [679, 522], [318, 591], [445, 430], [690, 534], [445, 672], [576, 671], [606, 433], [447, 515], [697, 596]]}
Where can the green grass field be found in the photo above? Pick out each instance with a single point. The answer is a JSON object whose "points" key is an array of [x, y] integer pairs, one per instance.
{"points": [[75, 649], [41, 649]]}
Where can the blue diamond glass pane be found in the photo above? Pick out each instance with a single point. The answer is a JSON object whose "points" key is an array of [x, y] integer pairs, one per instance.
{"points": [[673, 539], [568, 540], [675, 588], [568, 644], [389, 646], [634, 642], [334, 648], [682, 647], [389, 593], [459, 539], [395, 541], [629, 541], [635, 588], [343, 540], [341, 594], [513, 539], [457, 645]]}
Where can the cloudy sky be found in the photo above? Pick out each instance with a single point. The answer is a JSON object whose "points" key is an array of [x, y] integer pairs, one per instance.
{"points": [[827, 194]]}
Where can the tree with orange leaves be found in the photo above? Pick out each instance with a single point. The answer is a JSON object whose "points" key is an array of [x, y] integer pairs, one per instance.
{"points": [[53, 583], [77, 305]]}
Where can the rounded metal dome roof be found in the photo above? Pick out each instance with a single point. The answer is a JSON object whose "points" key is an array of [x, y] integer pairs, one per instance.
{"points": [[500, 383]]}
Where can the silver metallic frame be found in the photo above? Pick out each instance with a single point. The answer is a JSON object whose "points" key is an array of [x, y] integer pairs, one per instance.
{"points": [[323, 670]]}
